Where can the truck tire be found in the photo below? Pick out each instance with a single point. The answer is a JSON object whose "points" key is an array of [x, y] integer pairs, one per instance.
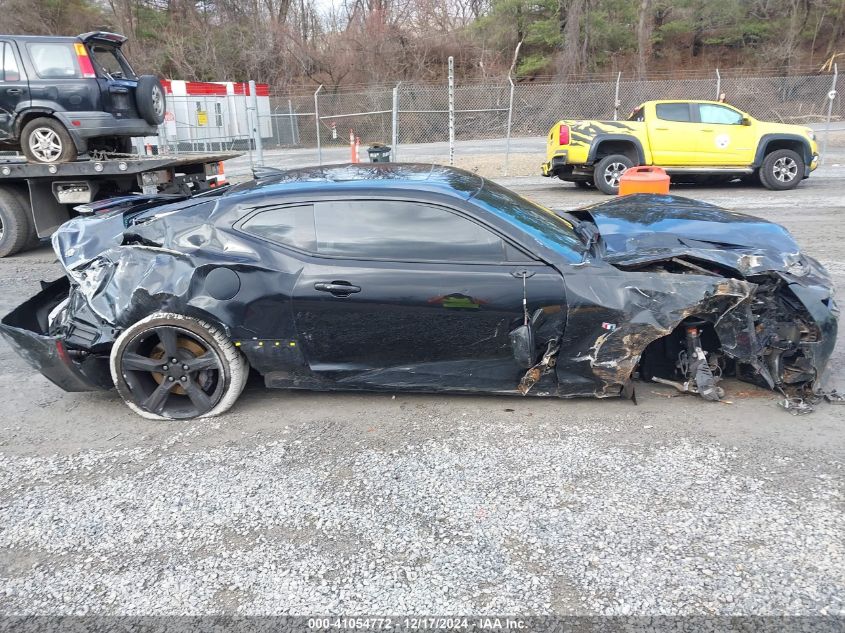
{"points": [[22, 195], [607, 172], [781, 170], [15, 224], [46, 141], [150, 99]]}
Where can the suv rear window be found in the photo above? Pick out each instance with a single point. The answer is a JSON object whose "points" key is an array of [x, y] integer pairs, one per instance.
{"points": [[108, 60], [54, 60], [673, 112]]}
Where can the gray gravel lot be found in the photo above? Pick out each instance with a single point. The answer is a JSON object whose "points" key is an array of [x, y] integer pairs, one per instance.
{"points": [[303, 503]]}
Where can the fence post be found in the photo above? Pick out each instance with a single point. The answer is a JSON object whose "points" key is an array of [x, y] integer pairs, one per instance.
{"points": [[293, 139], [256, 130], [830, 98], [394, 136], [718, 84], [510, 121], [317, 123], [616, 97], [451, 110]]}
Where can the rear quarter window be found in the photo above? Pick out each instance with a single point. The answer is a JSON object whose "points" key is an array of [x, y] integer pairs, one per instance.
{"points": [[54, 60], [289, 226], [673, 112]]}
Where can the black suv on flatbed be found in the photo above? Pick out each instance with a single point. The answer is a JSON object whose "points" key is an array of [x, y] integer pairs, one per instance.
{"points": [[61, 97]]}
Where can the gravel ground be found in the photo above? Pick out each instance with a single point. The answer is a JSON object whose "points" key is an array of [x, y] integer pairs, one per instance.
{"points": [[304, 503]]}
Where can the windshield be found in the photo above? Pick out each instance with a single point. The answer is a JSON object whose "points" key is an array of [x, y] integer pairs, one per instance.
{"points": [[532, 218]]}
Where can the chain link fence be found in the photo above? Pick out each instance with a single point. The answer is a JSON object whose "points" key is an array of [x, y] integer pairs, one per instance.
{"points": [[305, 129]]}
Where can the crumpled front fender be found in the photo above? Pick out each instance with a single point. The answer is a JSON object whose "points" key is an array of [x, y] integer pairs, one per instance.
{"points": [[614, 316]]}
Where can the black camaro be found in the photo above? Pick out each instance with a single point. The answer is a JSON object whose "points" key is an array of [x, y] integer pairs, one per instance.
{"points": [[419, 277]]}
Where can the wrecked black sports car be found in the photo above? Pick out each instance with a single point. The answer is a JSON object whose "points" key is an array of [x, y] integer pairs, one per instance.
{"points": [[419, 277]]}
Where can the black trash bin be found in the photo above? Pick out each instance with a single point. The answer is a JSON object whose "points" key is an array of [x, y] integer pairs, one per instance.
{"points": [[379, 153]]}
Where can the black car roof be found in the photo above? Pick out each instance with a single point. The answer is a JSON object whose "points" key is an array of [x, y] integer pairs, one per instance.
{"points": [[364, 176]]}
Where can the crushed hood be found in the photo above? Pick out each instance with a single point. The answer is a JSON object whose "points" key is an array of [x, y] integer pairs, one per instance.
{"points": [[644, 228]]}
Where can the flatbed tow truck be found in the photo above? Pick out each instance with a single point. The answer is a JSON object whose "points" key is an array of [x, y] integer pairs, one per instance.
{"points": [[35, 199]]}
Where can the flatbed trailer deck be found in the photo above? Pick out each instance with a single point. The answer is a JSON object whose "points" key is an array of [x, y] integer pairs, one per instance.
{"points": [[35, 199]]}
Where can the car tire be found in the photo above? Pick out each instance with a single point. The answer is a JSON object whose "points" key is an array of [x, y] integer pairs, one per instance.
{"points": [[781, 170], [15, 223], [150, 99], [46, 141], [141, 353], [607, 172]]}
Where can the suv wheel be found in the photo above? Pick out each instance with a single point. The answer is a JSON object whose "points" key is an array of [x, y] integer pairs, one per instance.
{"points": [[782, 169], [609, 170], [45, 140], [149, 97]]}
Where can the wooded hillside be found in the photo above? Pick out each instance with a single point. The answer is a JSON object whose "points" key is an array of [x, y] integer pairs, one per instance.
{"points": [[301, 43]]}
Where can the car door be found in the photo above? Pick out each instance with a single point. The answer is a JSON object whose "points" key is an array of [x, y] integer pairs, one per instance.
{"points": [[14, 89], [730, 141], [406, 294], [673, 134]]}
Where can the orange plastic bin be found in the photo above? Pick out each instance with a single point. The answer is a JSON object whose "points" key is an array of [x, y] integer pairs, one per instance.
{"points": [[644, 180]]}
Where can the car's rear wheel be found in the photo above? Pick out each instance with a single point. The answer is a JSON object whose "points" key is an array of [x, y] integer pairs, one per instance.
{"points": [[173, 367], [45, 140], [608, 171], [150, 99], [781, 170]]}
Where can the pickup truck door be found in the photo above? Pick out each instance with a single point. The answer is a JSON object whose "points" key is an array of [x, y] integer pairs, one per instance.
{"points": [[14, 89], [728, 142], [673, 134]]}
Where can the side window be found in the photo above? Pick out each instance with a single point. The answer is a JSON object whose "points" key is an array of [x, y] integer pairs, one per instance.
{"points": [[290, 226], [10, 70], [673, 112], [397, 230], [710, 113], [53, 60]]}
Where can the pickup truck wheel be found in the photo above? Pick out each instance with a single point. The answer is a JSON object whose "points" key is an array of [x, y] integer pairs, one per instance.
{"points": [[45, 140], [609, 170], [781, 170], [174, 367], [15, 230]]}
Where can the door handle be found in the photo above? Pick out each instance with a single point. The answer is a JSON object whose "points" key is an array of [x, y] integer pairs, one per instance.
{"points": [[14, 91], [662, 129], [337, 288], [706, 130]]}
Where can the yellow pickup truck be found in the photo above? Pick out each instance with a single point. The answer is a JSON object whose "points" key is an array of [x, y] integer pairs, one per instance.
{"points": [[691, 140]]}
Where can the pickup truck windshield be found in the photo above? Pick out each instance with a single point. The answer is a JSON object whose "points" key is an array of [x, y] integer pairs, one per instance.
{"points": [[532, 218]]}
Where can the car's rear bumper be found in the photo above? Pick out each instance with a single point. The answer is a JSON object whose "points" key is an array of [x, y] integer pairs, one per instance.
{"points": [[23, 329], [85, 125]]}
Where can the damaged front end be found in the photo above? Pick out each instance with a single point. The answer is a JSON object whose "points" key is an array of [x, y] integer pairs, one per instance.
{"points": [[705, 293]]}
